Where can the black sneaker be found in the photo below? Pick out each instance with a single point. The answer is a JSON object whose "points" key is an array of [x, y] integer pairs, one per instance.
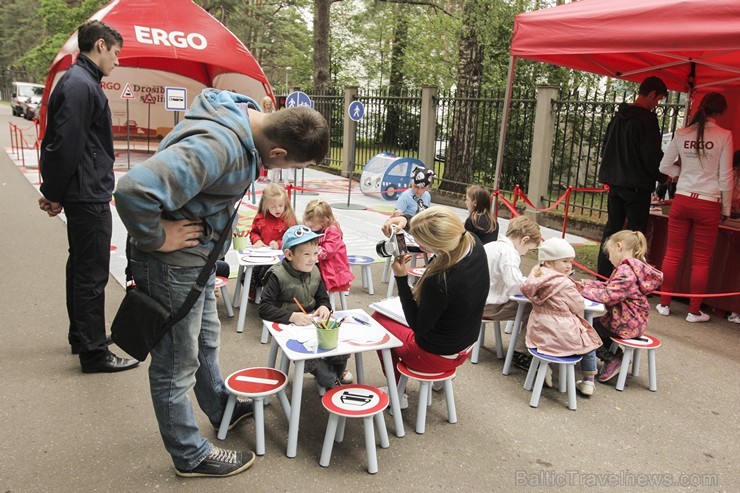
{"points": [[521, 360], [220, 463], [242, 409]]}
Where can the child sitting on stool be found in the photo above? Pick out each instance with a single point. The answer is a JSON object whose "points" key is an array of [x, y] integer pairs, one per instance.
{"points": [[296, 277], [556, 326]]}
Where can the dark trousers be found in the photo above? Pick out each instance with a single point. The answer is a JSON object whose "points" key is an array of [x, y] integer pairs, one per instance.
{"points": [[624, 204], [89, 228]]}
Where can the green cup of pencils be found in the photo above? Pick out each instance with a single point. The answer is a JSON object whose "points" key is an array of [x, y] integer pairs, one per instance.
{"points": [[327, 333], [239, 239]]}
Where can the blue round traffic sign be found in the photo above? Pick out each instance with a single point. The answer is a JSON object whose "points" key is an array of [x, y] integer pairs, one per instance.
{"points": [[298, 98], [356, 111]]}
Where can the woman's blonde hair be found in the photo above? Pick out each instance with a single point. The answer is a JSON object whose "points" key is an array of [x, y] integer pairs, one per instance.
{"points": [[634, 241], [443, 232], [319, 209], [277, 192]]}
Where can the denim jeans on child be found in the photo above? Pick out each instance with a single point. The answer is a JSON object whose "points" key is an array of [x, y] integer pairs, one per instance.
{"points": [[588, 362], [185, 358]]}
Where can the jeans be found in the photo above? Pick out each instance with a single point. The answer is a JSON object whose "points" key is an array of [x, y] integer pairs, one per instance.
{"points": [[623, 204], [89, 229], [588, 363], [186, 358]]}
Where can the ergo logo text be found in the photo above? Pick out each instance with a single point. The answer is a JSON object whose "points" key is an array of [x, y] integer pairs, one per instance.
{"points": [[178, 39]]}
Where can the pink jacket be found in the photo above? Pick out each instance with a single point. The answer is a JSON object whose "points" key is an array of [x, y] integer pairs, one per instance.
{"points": [[556, 326], [333, 262], [625, 296]]}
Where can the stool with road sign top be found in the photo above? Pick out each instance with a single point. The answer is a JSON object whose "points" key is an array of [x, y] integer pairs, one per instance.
{"points": [[367, 273], [355, 401], [258, 384], [567, 376], [222, 284], [632, 348], [425, 392]]}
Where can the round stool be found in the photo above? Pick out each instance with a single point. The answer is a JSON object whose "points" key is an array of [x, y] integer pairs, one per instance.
{"points": [[257, 383], [367, 273], [482, 338], [222, 284], [355, 401], [632, 348], [425, 392], [567, 376]]}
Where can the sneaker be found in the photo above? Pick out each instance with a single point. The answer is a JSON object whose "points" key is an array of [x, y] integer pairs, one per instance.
{"points": [[242, 409], [404, 398], [610, 369], [220, 463], [438, 386], [734, 318], [346, 377], [521, 360], [702, 317], [663, 310], [585, 387], [548, 377]]}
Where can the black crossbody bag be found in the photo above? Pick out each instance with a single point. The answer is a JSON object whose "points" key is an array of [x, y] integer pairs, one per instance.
{"points": [[141, 321]]}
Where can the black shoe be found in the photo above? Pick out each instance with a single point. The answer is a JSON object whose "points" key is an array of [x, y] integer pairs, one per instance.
{"points": [[242, 409], [220, 463], [110, 363], [521, 360]]}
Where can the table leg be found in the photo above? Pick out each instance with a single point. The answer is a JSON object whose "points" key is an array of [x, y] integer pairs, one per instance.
{"points": [[245, 300], [393, 391], [514, 334], [238, 290], [359, 368], [295, 408], [272, 355]]}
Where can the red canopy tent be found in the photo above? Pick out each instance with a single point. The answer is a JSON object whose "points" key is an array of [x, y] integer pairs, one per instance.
{"points": [[167, 43], [693, 45]]}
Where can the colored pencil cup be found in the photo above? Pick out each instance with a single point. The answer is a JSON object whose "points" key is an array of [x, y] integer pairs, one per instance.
{"points": [[328, 339], [239, 242]]}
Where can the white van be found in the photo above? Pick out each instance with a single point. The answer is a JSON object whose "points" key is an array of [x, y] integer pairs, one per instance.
{"points": [[23, 91]]}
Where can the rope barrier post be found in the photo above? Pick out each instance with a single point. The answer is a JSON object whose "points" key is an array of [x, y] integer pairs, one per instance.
{"points": [[303, 184], [567, 207], [348, 206]]}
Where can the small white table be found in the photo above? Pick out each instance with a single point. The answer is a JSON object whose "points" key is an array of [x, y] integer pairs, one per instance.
{"points": [[248, 260], [359, 333], [592, 308]]}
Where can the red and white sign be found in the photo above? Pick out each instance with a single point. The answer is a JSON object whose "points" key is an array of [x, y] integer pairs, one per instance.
{"points": [[149, 99], [127, 92], [256, 382], [355, 400]]}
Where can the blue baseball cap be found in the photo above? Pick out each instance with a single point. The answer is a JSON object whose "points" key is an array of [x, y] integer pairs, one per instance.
{"points": [[297, 235]]}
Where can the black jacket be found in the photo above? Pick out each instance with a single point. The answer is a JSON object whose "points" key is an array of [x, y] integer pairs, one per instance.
{"points": [[77, 151], [631, 153]]}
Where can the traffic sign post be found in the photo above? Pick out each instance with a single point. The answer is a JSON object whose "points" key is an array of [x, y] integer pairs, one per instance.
{"points": [[149, 99], [356, 112], [127, 94]]}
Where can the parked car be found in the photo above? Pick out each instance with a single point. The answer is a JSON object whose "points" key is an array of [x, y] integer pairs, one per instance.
{"points": [[22, 91], [31, 107]]}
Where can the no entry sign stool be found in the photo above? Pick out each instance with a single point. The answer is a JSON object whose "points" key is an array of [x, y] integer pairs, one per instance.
{"points": [[425, 392], [355, 401], [367, 274], [632, 349], [567, 376], [258, 384]]}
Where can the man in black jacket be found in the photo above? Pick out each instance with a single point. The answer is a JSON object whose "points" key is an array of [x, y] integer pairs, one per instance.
{"points": [[630, 159], [77, 170]]}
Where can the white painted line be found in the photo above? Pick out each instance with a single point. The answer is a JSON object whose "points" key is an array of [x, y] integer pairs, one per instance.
{"points": [[266, 381]]}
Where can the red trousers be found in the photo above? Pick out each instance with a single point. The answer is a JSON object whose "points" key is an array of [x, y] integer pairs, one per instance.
{"points": [[411, 354], [694, 220]]}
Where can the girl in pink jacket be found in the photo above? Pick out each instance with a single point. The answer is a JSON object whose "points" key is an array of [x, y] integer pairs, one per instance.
{"points": [[556, 326], [624, 294], [333, 262]]}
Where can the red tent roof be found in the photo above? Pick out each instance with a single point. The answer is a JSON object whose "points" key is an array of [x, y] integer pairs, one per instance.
{"points": [[631, 39]]}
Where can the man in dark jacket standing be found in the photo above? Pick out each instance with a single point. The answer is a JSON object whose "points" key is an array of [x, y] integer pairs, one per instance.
{"points": [[77, 171], [630, 159]]}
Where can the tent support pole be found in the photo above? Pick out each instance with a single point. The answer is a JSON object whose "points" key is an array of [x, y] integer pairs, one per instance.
{"points": [[504, 121]]}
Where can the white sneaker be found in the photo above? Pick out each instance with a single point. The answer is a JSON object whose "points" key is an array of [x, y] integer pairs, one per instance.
{"points": [[346, 377], [438, 386], [734, 318], [702, 317], [404, 398], [663, 310], [548, 377], [585, 387]]}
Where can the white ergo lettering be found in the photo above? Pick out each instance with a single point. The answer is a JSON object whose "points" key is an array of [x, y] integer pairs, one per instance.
{"points": [[178, 39]]}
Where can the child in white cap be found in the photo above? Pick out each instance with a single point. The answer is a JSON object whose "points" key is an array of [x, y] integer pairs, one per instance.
{"points": [[556, 325]]}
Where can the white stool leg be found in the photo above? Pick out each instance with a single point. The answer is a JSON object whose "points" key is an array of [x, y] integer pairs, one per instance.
{"points": [[265, 335], [450, 397], [343, 299], [238, 289], [382, 431], [499, 341], [391, 285], [331, 430], [512, 342], [402, 385], [478, 344], [257, 295], [227, 301], [339, 437], [529, 381], [285, 404], [421, 408], [613, 347], [539, 382], [509, 326], [331, 300], [652, 371], [571, 370], [622, 378], [372, 456], [636, 362], [367, 275], [259, 425], [562, 377], [226, 419], [386, 270]]}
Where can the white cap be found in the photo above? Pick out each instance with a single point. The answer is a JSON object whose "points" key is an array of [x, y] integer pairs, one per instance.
{"points": [[555, 249]]}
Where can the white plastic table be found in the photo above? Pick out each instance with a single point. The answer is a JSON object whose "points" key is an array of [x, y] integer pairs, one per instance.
{"points": [[248, 260], [359, 333], [591, 309]]}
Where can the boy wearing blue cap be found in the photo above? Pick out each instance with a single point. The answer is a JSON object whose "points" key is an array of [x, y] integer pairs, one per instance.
{"points": [[297, 278]]}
